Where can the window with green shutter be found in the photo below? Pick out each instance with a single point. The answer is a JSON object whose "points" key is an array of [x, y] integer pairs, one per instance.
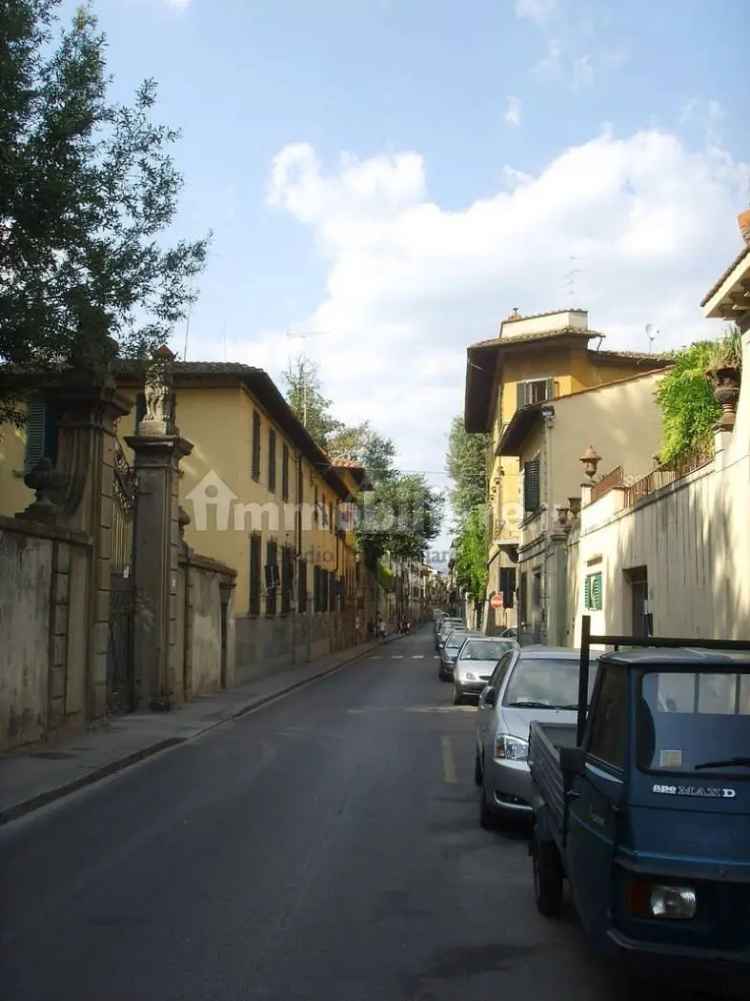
{"points": [[592, 592], [531, 495]]}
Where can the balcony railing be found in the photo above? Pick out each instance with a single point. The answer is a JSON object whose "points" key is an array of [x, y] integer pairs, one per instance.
{"points": [[613, 479], [670, 472]]}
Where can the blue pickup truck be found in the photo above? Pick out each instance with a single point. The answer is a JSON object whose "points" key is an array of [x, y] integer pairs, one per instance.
{"points": [[643, 806]]}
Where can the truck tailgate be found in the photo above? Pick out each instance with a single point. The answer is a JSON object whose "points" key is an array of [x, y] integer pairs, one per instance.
{"points": [[544, 763]]}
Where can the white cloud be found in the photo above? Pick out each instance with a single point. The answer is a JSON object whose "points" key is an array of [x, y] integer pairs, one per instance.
{"points": [[513, 111], [538, 11], [550, 66], [577, 71], [707, 113], [583, 72], [410, 283]]}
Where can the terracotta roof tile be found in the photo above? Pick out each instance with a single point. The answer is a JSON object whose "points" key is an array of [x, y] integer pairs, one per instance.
{"points": [[495, 342]]}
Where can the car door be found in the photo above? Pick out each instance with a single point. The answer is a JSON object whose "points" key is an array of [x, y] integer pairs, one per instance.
{"points": [[595, 797], [486, 712]]}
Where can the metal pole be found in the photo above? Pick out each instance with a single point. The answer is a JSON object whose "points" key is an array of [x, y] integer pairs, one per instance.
{"points": [[583, 677]]}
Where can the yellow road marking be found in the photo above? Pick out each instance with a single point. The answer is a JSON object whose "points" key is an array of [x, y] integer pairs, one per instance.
{"points": [[449, 765]]}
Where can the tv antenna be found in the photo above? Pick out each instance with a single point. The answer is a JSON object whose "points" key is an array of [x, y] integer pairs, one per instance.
{"points": [[652, 333], [570, 276]]}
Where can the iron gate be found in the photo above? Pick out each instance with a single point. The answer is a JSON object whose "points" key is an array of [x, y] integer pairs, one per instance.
{"points": [[120, 673]]}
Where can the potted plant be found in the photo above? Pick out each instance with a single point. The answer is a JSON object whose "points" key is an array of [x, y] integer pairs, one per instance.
{"points": [[724, 370]]}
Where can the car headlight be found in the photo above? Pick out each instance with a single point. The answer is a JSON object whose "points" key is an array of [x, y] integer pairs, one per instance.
{"points": [[470, 677], [508, 748], [673, 902], [663, 900]]}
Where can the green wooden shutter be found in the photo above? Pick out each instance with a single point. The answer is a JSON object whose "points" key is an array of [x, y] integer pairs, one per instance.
{"points": [[587, 593], [35, 425], [531, 485], [596, 592], [521, 394]]}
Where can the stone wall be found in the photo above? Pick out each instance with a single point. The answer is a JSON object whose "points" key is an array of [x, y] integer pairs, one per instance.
{"points": [[44, 575], [205, 626]]}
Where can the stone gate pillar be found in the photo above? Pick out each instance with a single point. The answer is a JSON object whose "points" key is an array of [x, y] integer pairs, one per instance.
{"points": [[76, 495], [158, 449]]}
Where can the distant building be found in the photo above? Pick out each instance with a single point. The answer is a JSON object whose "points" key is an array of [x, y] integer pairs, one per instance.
{"points": [[623, 423], [533, 359]]}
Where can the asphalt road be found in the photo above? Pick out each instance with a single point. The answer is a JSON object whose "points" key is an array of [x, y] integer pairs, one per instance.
{"points": [[325, 847]]}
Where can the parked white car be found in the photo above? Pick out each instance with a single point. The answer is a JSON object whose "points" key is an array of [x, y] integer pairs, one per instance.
{"points": [[476, 661]]}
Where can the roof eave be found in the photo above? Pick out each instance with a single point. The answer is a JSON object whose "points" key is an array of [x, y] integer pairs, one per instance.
{"points": [[730, 299]]}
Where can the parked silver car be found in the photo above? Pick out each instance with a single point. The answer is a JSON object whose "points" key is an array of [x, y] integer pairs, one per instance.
{"points": [[529, 683], [476, 661], [446, 628], [453, 643]]}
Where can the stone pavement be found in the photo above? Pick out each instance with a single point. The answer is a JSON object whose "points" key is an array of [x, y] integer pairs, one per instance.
{"points": [[33, 777]]}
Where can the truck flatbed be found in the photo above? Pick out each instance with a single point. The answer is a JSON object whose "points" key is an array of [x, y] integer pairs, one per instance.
{"points": [[544, 762]]}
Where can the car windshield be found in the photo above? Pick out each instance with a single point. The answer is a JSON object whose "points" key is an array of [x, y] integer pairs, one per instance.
{"points": [[485, 649], [455, 641], [546, 682], [694, 722]]}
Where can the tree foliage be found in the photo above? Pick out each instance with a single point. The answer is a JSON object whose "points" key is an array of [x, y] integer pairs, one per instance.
{"points": [[470, 546], [402, 513], [467, 466], [305, 397], [401, 517], [88, 186], [372, 450], [689, 410]]}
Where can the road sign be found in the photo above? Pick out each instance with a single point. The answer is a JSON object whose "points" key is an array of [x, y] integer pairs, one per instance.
{"points": [[496, 601]]}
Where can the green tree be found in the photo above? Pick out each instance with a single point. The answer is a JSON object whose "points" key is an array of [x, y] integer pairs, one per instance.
{"points": [[689, 410], [471, 544], [87, 188], [467, 466], [361, 444], [401, 517], [305, 397]]}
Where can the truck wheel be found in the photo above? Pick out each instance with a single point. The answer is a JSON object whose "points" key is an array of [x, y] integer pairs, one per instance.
{"points": [[548, 878]]}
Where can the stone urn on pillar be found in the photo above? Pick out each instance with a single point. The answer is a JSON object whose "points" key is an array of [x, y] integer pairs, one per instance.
{"points": [[724, 372]]}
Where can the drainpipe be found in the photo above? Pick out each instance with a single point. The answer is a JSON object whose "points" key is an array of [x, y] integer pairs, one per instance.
{"points": [[548, 588]]}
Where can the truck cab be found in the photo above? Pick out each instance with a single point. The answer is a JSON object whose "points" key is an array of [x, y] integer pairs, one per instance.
{"points": [[648, 815]]}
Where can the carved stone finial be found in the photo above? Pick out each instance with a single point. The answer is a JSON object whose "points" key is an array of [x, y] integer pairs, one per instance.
{"points": [[47, 482], [159, 393]]}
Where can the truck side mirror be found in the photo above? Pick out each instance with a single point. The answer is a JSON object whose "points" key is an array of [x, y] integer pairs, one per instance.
{"points": [[572, 763]]}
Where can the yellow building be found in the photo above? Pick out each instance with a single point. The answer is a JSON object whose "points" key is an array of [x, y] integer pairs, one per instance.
{"points": [[533, 358], [261, 497]]}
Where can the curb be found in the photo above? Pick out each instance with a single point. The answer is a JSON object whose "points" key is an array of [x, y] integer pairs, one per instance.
{"points": [[43, 798]]}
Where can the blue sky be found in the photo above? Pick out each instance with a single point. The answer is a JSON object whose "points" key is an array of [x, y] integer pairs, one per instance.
{"points": [[398, 175]]}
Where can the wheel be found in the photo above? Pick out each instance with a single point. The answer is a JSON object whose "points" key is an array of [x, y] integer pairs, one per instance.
{"points": [[548, 878], [477, 769]]}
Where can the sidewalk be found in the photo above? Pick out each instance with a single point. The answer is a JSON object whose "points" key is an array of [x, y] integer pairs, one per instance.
{"points": [[30, 779]]}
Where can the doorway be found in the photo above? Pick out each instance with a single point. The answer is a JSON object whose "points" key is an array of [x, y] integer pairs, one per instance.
{"points": [[640, 615]]}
